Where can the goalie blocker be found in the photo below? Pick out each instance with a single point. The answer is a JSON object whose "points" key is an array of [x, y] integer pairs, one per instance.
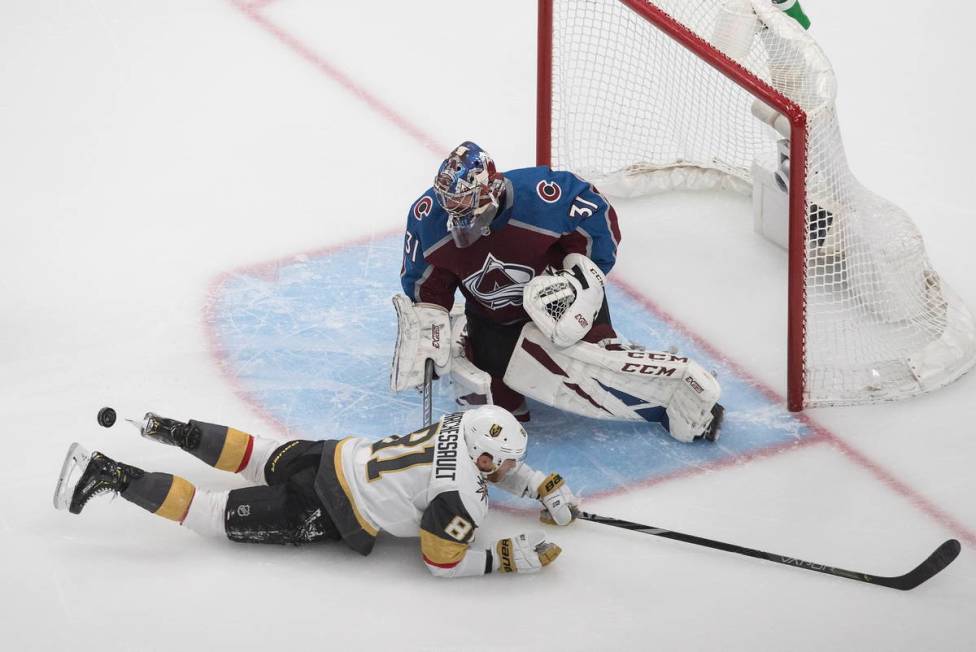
{"points": [[423, 332]]}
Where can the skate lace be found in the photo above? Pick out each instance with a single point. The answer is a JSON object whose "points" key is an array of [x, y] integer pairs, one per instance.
{"points": [[103, 485], [98, 492]]}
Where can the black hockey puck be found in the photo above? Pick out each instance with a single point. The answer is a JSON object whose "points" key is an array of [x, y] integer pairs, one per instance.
{"points": [[106, 417]]}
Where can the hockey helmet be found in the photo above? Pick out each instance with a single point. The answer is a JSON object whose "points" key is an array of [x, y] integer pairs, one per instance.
{"points": [[469, 188], [493, 430]]}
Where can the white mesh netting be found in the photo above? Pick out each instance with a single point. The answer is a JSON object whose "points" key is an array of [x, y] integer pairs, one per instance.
{"points": [[636, 112]]}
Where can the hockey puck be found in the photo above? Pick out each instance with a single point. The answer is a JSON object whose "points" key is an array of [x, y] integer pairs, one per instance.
{"points": [[106, 417]]}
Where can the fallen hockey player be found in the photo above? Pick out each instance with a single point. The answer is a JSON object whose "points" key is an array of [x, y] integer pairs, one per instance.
{"points": [[431, 483], [529, 250]]}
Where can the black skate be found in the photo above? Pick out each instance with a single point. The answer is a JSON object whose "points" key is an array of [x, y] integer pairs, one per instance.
{"points": [[169, 431], [85, 475], [715, 426]]}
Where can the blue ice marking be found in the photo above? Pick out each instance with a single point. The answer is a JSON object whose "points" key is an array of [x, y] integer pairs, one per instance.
{"points": [[312, 343]]}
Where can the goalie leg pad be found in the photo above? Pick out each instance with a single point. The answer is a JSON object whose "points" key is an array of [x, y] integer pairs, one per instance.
{"points": [[623, 385], [690, 409], [472, 386]]}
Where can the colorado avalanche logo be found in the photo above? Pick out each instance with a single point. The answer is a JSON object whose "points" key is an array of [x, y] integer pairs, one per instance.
{"points": [[422, 208], [549, 191], [498, 284]]}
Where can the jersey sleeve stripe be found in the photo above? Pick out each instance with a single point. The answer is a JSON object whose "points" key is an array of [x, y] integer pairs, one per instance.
{"points": [[419, 283], [437, 245], [532, 227], [441, 552], [588, 239]]}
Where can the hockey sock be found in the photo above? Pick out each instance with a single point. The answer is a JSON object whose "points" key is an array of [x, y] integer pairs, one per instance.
{"points": [[162, 494], [206, 513], [221, 447]]}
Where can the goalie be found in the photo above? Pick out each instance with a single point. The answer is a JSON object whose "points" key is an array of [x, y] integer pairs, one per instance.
{"points": [[529, 250]]}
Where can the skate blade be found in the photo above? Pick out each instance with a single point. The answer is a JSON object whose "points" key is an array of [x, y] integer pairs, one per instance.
{"points": [[74, 465]]}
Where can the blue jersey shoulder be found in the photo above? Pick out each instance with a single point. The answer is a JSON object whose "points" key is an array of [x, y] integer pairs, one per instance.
{"points": [[427, 220], [544, 197]]}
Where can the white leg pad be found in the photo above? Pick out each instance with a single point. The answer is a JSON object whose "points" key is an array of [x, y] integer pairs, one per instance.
{"points": [[591, 381], [472, 386], [206, 513], [690, 409]]}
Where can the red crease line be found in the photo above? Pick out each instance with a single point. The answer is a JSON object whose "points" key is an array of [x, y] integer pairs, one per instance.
{"points": [[251, 10]]}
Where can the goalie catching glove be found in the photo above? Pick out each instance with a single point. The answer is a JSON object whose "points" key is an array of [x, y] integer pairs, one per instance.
{"points": [[525, 553], [565, 304], [423, 332]]}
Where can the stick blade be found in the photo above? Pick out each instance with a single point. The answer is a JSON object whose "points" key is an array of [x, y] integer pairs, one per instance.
{"points": [[936, 562]]}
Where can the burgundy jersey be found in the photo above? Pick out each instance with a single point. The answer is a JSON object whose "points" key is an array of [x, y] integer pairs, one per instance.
{"points": [[547, 214]]}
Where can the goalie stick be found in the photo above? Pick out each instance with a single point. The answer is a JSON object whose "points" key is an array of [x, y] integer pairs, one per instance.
{"points": [[428, 390], [935, 562]]}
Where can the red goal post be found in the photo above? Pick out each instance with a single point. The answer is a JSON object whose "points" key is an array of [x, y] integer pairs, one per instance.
{"points": [[928, 335]]}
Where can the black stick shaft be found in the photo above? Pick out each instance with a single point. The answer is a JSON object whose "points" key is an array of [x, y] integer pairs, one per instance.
{"points": [[938, 560], [428, 390]]}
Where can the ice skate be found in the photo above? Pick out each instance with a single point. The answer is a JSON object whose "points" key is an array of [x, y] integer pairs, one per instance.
{"points": [[169, 431], [85, 475]]}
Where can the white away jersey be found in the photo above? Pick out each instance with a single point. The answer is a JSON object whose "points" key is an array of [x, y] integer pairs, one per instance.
{"points": [[393, 482]]}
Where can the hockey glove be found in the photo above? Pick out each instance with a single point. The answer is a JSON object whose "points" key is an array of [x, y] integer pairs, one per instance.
{"points": [[525, 553], [560, 506], [423, 331]]}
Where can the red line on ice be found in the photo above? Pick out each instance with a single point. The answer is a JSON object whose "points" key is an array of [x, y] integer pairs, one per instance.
{"points": [[821, 434], [251, 10]]}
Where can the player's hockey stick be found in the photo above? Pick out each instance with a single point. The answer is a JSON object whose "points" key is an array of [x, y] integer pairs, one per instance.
{"points": [[428, 390], [938, 560]]}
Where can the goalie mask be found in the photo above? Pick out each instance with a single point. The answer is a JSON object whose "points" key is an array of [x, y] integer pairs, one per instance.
{"points": [[469, 189], [493, 430]]}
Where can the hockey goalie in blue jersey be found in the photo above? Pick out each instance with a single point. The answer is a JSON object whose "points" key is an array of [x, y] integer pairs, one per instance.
{"points": [[431, 484], [529, 250]]}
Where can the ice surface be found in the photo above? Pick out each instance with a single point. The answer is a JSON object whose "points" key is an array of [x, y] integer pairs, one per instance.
{"points": [[313, 349], [200, 204]]}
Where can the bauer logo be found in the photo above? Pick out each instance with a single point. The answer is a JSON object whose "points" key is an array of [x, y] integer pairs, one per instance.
{"points": [[505, 563]]}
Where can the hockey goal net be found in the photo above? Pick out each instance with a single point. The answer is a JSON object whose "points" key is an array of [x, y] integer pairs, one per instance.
{"points": [[641, 97]]}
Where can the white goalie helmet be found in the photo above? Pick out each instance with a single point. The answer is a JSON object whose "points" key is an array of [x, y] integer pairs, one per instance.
{"points": [[493, 430]]}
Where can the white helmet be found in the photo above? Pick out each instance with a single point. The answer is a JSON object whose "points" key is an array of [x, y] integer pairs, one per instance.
{"points": [[493, 430]]}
